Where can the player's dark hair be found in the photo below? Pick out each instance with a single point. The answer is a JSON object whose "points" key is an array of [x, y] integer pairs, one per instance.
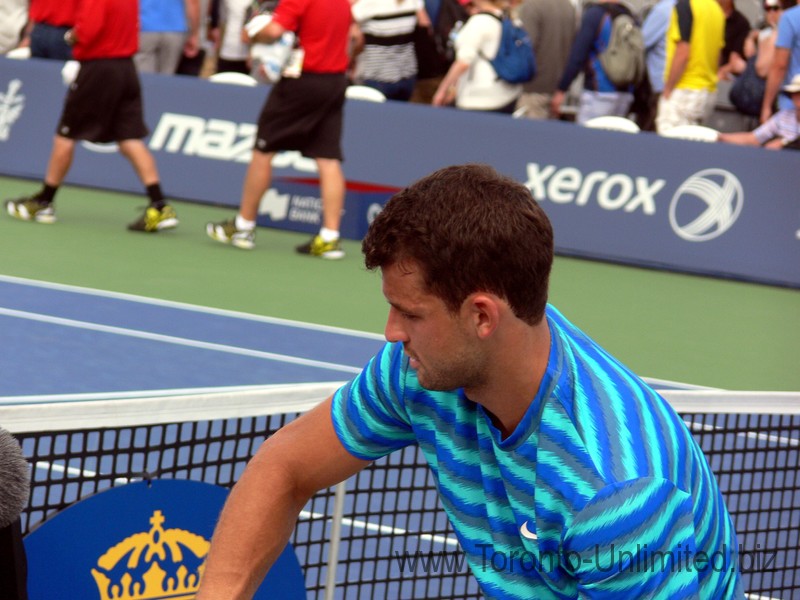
{"points": [[470, 229]]}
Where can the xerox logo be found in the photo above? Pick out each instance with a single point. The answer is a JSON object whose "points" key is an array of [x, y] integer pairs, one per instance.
{"points": [[12, 104], [613, 191], [706, 205], [217, 139]]}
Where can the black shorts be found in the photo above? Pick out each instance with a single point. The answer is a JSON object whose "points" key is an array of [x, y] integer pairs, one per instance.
{"points": [[104, 103], [304, 114]]}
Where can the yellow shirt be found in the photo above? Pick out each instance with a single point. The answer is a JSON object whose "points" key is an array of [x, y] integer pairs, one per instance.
{"points": [[703, 22]]}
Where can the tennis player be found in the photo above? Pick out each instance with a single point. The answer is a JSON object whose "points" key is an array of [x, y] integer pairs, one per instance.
{"points": [[563, 474], [104, 104], [304, 111]]}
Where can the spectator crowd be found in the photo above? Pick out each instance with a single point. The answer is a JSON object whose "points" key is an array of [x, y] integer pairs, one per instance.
{"points": [[695, 55], [700, 54]]}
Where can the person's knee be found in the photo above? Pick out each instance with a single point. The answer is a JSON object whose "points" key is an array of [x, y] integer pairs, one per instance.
{"points": [[330, 166]]}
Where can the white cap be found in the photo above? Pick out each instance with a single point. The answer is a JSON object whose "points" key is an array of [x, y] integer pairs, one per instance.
{"points": [[793, 86]]}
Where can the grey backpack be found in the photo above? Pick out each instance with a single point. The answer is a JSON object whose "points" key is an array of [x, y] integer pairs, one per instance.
{"points": [[623, 59]]}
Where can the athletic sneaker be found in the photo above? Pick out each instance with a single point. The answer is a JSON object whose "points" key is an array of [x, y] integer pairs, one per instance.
{"points": [[226, 232], [154, 220], [318, 247], [31, 208]]}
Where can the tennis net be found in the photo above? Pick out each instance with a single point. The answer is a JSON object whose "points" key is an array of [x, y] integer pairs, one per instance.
{"points": [[383, 533]]}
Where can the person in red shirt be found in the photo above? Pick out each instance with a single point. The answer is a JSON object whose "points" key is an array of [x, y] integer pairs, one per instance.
{"points": [[303, 112], [103, 104], [49, 21]]}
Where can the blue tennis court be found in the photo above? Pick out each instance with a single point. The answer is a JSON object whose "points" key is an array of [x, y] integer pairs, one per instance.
{"points": [[61, 340], [77, 348]]}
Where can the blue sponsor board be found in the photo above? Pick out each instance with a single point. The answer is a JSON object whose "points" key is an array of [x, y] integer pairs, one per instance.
{"points": [[295, 205], [141, 540], [639, 199]]}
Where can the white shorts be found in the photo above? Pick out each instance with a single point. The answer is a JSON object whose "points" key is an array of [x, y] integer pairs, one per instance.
{"points": [[684, 107]]}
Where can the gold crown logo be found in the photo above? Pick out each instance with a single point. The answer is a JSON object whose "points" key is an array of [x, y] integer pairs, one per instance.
{"points": [[159, 564]]}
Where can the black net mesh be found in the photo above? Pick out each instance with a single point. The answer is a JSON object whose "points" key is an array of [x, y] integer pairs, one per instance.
{"points": [[396, 541]]}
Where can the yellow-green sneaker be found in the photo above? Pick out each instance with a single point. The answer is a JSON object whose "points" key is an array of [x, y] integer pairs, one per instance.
{"points": [[31, 208], [318, 247], [227, 233], [154, 220]]}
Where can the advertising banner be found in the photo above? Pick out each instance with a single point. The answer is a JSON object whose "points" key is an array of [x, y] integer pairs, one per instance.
{"points": [[641, 199]]}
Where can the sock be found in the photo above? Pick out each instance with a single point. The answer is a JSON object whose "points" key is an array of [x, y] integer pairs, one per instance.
{"points": [[328, 235], [243, 224], [47, 193], [155, 195]]}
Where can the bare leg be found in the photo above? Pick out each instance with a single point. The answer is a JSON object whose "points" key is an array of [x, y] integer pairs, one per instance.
{"points": [[256, 183], [60, 160], [142, 160], [332, 190]]}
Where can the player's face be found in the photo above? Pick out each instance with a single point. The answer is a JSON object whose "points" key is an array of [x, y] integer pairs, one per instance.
{"points": [[441, 346]]}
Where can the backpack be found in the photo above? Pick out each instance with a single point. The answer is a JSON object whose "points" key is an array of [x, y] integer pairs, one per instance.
{"points": [[747, 92], [623, 59], [515, 61], [434, 48]]}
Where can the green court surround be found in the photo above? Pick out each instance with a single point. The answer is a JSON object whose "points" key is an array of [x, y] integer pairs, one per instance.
{"points": [[692, 329]]}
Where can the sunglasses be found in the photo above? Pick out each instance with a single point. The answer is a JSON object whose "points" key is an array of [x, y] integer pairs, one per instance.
{"points": [[770, 8]]}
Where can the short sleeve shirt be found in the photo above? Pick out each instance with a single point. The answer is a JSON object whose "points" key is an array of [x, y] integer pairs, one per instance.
{"points": [[599, 473], [789, 38], [322, 28]]}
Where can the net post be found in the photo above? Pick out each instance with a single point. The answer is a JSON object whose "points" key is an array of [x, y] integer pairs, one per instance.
{"points": [[336, 537]]}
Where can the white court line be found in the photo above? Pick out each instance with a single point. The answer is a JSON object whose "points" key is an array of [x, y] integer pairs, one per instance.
{"points": [[753, 435], [136, 394], [179, 341], [74, 472], [188, 307], [308, 515], [439, 539], [386, 529], [61, 415]]}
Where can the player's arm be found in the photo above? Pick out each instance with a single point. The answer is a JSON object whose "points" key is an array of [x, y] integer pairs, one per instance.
{"points": [[777, 72], [680, 57], [192, 45], [446, 92], [579, 53], [468, 45], [764, 56], [260, 513], [676, 68], [743, 138], [423, 19], [271, 32]]}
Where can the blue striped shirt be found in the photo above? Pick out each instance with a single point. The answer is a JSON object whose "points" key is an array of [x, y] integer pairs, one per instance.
{"points": [[600, 491], [784, 124]]}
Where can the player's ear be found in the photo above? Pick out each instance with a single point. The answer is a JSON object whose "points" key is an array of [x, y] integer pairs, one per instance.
{"points": [[483, 310]]}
